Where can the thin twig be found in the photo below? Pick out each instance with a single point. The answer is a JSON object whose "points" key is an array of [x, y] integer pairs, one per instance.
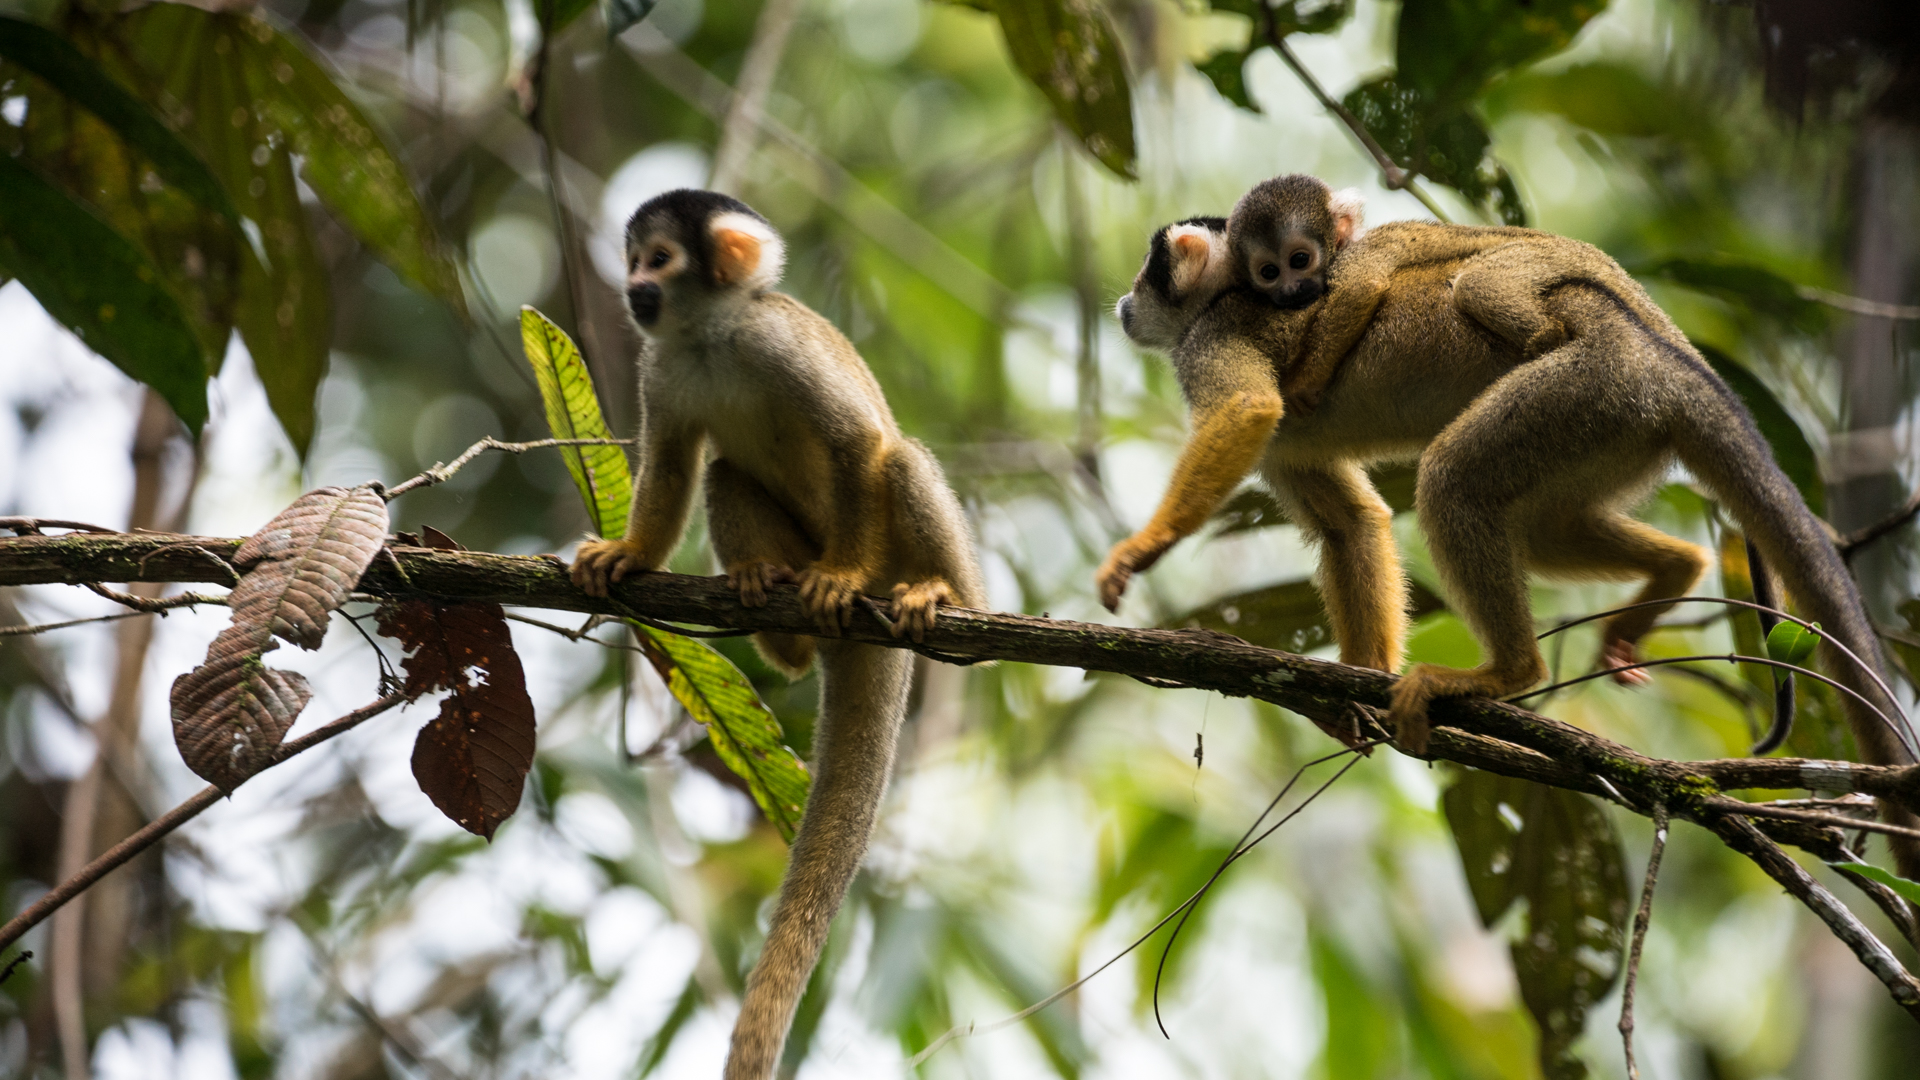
{"points": [[440, 474], [41, 628], [1865, 535], [744, 114], [1891, 904], [31, 526], [1856, 304], [149, 605], [1732, 658], [1815, 817], [1641, 920], [171, 820], [1392, 175], [961, 1031], [1865, 668], [1741, 835]]}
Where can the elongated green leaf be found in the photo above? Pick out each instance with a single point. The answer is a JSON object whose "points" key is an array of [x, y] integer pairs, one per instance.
{"points": [[1227, 72], [100, 286], [1557, 851], [1069, 51], [744, 731], [1790, 447], [1907, 890], [54, 59], [573, 412], [1605, 97], [1747, 284], [1449, 49]]}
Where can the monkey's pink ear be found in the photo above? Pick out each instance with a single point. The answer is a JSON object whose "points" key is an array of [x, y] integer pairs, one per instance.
{"points": [[1348, 206], [746, 252], [1190, 246]]}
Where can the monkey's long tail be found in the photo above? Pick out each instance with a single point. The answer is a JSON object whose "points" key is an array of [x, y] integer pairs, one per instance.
{"points": [[863, 696], [1719, 443]]}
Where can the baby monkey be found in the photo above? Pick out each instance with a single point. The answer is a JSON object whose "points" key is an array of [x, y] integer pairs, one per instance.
{"points": [[811, 481]]}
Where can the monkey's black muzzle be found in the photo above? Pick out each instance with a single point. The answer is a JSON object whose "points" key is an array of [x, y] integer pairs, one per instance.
{"points": [[644, 301]]}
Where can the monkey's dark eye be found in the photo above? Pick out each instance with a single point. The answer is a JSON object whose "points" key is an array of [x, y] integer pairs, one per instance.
{"points": [[658, 259], [1269, 272], [1299, 260]]}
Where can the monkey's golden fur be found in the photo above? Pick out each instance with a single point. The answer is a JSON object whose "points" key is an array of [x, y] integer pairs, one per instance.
{"points": [[812, 481], [1543, 394]]}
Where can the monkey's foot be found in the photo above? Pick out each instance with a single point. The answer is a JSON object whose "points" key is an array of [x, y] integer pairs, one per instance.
{"points": [[914, 605], [1418, 688], [1617, 654], [601, 562], [827, 596], [1136, 552], [752, 579]]}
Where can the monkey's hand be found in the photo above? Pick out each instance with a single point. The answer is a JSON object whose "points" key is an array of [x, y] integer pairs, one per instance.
{"points": [[752, 579], [827, 595], [913, 606], [1136, 552], [1618, 653], [601, 562]]}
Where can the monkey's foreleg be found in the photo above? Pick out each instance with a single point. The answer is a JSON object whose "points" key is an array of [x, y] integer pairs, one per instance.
{"points": [[863, 695], [1360, 577], [1225, 443]]}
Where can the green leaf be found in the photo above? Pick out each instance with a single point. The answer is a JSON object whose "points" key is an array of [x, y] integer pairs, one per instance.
{"points": [[1907, 890], [1449, 49], [100, 286], [1443, 142], [654, 1054], [1256, 508], [1227, 72], [1288, 616], [1557, 851], [1747, 284], [1605, 98], [573, 412], [1068, 49], [744, 731], [54, 59], [1791, 643], [1790, 447], [622, 14]]}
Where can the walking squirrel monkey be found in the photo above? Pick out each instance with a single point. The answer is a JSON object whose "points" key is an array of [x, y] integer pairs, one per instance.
{"points": [[813, 482], [1543, 394]]}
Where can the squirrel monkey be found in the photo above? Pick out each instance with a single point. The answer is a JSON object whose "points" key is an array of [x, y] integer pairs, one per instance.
{"points": [[1543, 394], [813, 482]]}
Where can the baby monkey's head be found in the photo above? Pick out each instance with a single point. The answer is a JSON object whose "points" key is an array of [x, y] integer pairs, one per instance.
{"points": [[687, 250], [1186, 268], [1284, 234]]}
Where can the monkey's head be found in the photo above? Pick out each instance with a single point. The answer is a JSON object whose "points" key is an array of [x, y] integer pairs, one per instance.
{"points": [[1284, 234], [1186, 268], [688, 250]]}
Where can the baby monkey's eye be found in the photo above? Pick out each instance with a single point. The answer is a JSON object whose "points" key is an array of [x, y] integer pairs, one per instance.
{"points": [[1269, 272], [658, 259], [1299, 260]]}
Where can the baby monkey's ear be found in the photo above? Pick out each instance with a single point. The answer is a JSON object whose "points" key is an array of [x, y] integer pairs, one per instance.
{"points": [[746, 252], [1347, 206], [1190, 247]]}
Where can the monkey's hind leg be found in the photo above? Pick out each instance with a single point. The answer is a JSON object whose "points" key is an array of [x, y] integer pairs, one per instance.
{"points": [[758, 544], [1501, 290], [1602, 544], [932, 560], [863, 695]]}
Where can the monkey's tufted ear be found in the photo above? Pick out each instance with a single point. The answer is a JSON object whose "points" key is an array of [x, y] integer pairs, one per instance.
{"points": [[1349, 208], [746, 252], [1191, 246]]}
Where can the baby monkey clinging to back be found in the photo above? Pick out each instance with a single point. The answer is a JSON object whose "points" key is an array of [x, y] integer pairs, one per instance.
{"points": [[812, 481]]}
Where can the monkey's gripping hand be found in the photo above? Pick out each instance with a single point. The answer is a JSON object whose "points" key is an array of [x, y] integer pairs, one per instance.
{"points": [[914, 606], [602, 562], [827, 596], [1137, 552]]}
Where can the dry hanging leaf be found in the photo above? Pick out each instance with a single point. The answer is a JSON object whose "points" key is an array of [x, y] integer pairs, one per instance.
{"points": [[472, 759], [306, 561], [232, 712]]}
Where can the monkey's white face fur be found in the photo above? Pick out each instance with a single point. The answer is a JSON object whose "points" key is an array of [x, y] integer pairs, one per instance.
{"points": [[1187, 266], [679, 271]]}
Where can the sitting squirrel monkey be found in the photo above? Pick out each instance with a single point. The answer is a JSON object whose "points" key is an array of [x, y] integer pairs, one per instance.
{"points": [[1542, 393], [811, 481]]}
